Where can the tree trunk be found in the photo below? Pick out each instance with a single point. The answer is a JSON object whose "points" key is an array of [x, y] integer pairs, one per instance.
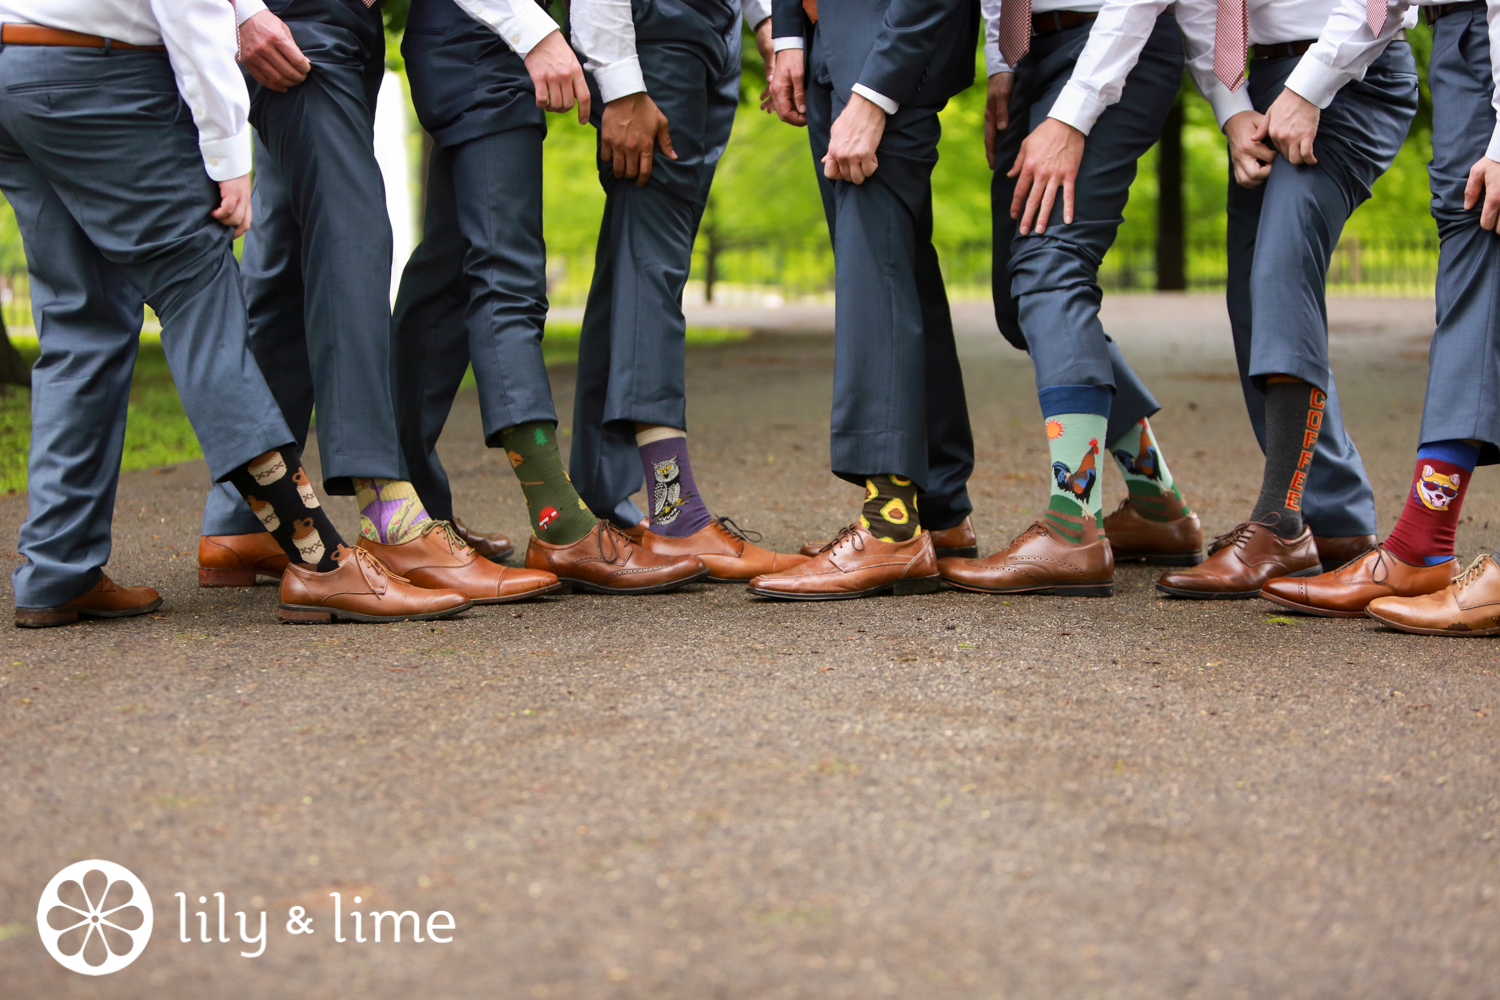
{"points": [[1171, 236], [13, 368]]}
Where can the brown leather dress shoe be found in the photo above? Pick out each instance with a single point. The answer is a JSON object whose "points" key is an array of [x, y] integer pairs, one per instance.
{"points": [[1335, 550], [1240, 562], [955, 542], [489, 545], [1348, 590], [727, 551], [1038, 561], [236, 560], [637, 532], [361, 589], [857, 564], [1133, 537], [1469, 606], [607, 561], [105, 599], [438, 559]]}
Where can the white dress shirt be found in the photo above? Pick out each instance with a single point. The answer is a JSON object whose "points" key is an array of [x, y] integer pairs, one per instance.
{"points": [[200, 40], [994, 62], [604, 31]]}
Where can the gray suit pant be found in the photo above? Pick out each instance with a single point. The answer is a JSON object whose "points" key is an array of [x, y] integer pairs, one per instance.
{"points": [[99, 158]]}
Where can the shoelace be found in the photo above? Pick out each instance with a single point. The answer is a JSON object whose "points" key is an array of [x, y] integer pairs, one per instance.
{"points": [[607, 531], [727, 523], [850, 531], [1471, 574], [450, 534], [371, 569], [1237, 535]]}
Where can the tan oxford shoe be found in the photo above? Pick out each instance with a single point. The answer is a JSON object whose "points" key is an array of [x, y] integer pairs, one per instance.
{"points": [[1038, 560], [1469, 606], [1348, 590], [857, 564], [1239, 564], [361, 589], [237, 560], [492, 545], [105, 599], [727, 551], [1335, 550], [958, 541], [439, 559], [1133, 537], [608, 561]]}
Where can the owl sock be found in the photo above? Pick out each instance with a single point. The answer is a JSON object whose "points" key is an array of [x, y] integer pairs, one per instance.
{"points": [[676, 508], [1294, 415], [1076, 417], [1423, 535], [389, 510], [890, 511], [558, 514], [277, 489], [1149, 482]]}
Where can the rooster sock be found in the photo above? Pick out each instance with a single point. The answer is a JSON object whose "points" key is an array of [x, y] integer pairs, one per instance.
{"points": [[677, 510], [1076, 417], [1153, 492], [1294, 416], [890, 511], [1424, 533], [558, 514]]}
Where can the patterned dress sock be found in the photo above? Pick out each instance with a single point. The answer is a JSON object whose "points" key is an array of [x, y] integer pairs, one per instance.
{"points": [[677, 509], [277, 489], [1424, 533], [890, 511], [557, 513], [390, 512], [1294, 416], [1153, 491], [1076, 417]]}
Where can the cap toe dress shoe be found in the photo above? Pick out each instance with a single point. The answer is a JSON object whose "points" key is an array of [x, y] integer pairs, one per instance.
{"points": [[361, 589], [237, 560], [439, 559], [608, 561], [857, 564], [1469, 606], [1038, 560], [1348, 590], [1240, 562], [105, 599], [726, 549]]}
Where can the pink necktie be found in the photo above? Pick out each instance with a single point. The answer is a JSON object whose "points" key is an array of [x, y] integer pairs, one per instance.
{"points": [[1015, 30], [1376, 12], [1231, 39]]}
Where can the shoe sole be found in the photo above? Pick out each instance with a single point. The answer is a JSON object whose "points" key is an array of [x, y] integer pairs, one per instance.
{"points": [[1310, 610], [1475, 634], [293, 614], [1104, 588], [1163, 558], [660, 588], [550, 589], [1229, 595], [231, 577], [53, 617], [897, 588]]}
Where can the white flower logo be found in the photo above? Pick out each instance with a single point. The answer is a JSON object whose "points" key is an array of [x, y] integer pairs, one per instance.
{"points": [[94, 917]]}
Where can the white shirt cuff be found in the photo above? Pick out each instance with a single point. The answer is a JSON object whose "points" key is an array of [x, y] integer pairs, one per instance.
{"points": [[1228, 103], [226, 159], [755, 11], [994, 62], [244, 10], [790, 42], [1493, 153], [1315, 81], [882, 102], [620, 79], [527, 29], [1076, 107]]}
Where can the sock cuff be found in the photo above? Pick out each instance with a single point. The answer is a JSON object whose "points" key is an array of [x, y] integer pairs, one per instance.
{"points": [[1459, 453], [1094, 399], [651, 435]]}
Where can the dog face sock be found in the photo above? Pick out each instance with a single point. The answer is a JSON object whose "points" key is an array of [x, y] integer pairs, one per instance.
{"points": [[277, 489], [890, 511], [1153, 491], [558, 514], [1075, 419], [1424, 533], [389, 510], [677, 509], [1294, 416]]}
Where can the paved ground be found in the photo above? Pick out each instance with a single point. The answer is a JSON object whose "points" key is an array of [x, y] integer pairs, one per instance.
{"points": [[701, 796]]}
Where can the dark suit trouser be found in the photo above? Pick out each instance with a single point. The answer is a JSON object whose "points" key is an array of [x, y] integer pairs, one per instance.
{"points": [[1281, 236], [898, 394], [631, 352], [103, 170], [1046, 285], [475, 288], [317, 266], [1463, 382]]}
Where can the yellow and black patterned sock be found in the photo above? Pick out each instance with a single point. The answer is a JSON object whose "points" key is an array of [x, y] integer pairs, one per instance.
{"points": [[890, 511]]}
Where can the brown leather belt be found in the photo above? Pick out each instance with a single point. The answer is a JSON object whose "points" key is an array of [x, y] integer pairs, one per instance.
{"points": [[1285, 50], [36, 34], [1444, 9], [1054, 21], [810, 8]]}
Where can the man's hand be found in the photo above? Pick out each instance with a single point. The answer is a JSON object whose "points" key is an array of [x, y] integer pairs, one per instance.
{"points": [[1484, 176], [234, 204], [1250, 157], [997, 111], [557, 76], [1292, 124], [853, 140], [632, 127], [1048, 160], [269, 53], [788, 94], [767, 49]]}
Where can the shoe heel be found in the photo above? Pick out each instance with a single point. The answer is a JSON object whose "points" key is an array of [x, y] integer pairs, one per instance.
{"points": [[1086, 590], [29, 618], [303, 616], [225, 577], [917, 585]]}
